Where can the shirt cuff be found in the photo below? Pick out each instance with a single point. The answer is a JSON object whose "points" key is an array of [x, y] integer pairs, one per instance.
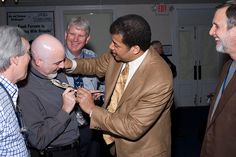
{"points": [[74, 65]]}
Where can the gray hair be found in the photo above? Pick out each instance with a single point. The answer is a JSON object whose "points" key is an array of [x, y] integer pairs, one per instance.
{"points": [[230, 12], [80, 23], [10, 44]]}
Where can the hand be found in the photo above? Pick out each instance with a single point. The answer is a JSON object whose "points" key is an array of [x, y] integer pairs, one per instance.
{"points": [[67, 63], [85, 99], [68, 100], [96, 94]]}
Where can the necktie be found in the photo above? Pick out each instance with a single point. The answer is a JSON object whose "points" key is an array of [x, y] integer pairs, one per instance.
{"points": [[78, 82], [117, 93]]}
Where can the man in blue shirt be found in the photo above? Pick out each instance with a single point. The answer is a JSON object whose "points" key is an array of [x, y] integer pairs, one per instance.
{"points": [[77, 36]]}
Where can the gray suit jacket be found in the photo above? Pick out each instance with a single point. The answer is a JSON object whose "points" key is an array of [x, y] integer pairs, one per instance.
{"points": [[220, 136], [141, 124]]}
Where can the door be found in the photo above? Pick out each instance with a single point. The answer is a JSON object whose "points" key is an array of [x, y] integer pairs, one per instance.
{"points": [[197, 68], [208, 65]]}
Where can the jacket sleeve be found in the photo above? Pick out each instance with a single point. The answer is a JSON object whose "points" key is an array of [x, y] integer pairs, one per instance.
{"points": [[142, 110], [91, 66]]}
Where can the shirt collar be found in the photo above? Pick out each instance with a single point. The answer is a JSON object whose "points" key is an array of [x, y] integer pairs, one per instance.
{"points": [[10, 87], [71, 56], [233, 65], [37, 73], [136, 63]]}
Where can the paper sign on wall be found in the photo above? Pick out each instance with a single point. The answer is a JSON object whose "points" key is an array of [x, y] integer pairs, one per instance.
{"points": [[33, 23]]}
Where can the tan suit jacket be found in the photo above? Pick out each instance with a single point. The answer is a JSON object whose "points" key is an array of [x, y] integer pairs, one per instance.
{"points": [[141, 124], [220, 136]]}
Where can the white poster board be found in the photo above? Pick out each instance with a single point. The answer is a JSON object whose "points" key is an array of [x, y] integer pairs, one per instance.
{"points": [[33, 23]]}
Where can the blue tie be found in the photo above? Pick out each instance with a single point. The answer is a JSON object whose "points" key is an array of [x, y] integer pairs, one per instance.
{"points": [[78, 82]]}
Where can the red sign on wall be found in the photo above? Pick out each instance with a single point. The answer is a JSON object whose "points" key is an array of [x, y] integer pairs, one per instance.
{"points": [[161, 8]]}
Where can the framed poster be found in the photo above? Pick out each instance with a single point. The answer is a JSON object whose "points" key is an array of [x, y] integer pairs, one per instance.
{"points": [[33, 23]]}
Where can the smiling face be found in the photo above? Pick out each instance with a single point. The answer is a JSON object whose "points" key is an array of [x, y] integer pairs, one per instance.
{"points": [[225, 38], [76, 38]]}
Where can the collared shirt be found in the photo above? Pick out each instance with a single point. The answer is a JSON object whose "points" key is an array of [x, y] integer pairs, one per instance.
{"points": [[90, 82], [12, 143], [133, 66]]}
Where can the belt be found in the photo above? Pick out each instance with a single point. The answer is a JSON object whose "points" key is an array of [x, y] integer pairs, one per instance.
{"points": [[47, 151], [61, 148]]}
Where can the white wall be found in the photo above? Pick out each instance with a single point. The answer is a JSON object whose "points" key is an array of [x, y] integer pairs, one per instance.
{"points": [[163, 26], [160, 25]]}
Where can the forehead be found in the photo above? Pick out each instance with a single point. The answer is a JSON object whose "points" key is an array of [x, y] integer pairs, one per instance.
{"points": [[117, 37], [74, 28], [220, 16], [56, 57]]}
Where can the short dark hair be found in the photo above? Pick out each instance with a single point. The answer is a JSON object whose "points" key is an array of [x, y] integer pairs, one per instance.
{"points": [[134, 29], [230, 12]]}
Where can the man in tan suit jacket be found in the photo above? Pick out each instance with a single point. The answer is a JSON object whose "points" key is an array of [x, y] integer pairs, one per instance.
{"points": [[220, 136], [141, 124]]}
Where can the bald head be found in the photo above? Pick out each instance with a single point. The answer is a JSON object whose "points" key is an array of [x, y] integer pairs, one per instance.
{"points": [[48, 55], [46, 45]]}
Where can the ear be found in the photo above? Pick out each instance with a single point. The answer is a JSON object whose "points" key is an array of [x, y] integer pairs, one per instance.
{"points": [[65, 35], [135, 49], [37, 61], [87, 40], [14, 60]]}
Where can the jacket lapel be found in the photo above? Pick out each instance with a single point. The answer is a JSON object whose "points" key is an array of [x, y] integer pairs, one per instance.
{"points": [[111, 80], [136, 80], [229, 90], [213, 101]]}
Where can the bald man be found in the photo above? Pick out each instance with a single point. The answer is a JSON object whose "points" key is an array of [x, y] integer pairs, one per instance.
{"points": [[48, 110]]}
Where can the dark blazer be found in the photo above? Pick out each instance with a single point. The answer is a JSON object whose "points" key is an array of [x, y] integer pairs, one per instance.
{"points": [[220, 136], [141, 124]]}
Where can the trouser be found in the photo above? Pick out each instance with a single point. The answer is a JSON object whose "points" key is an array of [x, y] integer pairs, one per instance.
{"points": [[90, 142], [71, 150]]}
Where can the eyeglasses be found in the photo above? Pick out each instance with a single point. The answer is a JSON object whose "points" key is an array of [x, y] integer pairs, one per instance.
{"points": [[60, 84]]}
